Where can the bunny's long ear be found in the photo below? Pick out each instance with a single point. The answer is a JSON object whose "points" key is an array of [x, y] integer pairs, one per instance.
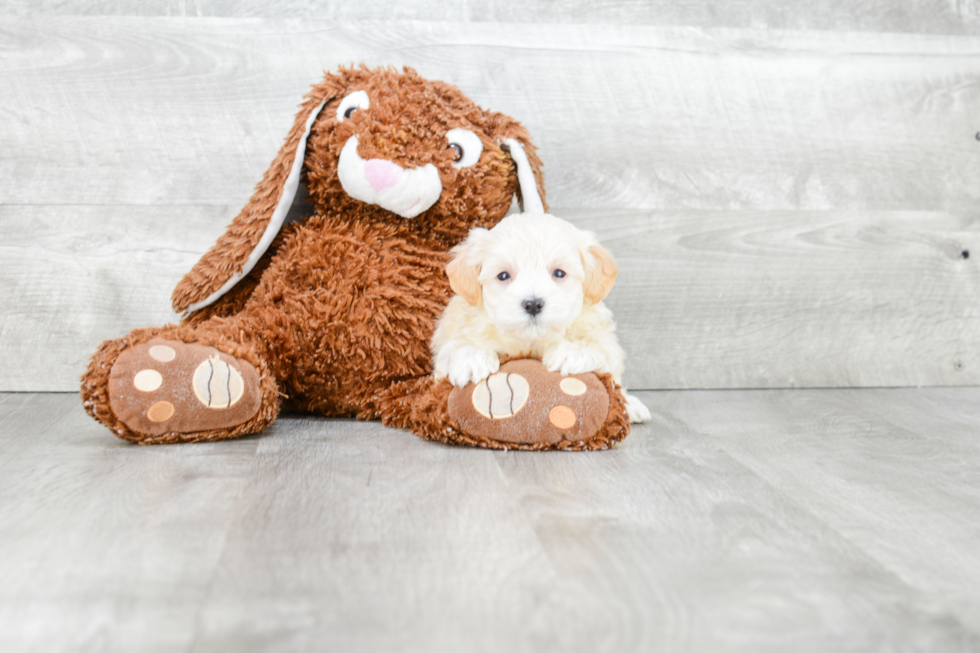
{"points": [[253, 230], [530, 197], [513, 138]]}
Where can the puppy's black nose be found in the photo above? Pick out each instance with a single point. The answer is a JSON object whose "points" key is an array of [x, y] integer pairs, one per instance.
{"points": [[533, 306]]}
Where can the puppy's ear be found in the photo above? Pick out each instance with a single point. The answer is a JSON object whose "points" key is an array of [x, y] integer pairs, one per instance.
{"points": [[514, 139], [600, 273], [253, 230], [463, 273]]}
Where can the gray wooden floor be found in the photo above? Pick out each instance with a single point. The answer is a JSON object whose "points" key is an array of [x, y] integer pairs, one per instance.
{"points": [[766, 520]]}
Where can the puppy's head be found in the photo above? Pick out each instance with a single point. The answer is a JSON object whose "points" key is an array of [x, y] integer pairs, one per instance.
{"points": [[532, 274]]}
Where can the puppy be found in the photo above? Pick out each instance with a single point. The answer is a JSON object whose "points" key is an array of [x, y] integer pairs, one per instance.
{"points": [[532, 285]]}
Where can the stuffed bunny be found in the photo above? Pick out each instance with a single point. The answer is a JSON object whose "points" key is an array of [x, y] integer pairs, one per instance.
{"points": [[333, 313]]}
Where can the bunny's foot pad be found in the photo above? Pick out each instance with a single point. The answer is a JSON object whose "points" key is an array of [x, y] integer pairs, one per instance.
{"points": [[527, 406], [168, 386]]}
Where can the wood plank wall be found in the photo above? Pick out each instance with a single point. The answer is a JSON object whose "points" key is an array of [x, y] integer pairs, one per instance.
{"points": [[793, 196]]}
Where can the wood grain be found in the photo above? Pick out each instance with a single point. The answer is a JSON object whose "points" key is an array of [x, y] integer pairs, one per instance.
{"points": [[847, 457], [142, 110], [804, 520], [789, 194], [110, 540], [927, 16], [74, 276], [798, 299], [790, 208], [704, 299]]}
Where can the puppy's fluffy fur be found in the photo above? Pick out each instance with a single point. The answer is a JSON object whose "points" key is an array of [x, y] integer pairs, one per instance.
{"points": [[532, 285]]}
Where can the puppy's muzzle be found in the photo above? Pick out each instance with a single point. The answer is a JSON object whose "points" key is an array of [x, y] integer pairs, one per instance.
{"points": [[533, 306]]}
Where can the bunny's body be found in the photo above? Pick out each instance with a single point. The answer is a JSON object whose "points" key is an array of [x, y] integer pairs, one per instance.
{"points": [[333, 312], [343, 311]]}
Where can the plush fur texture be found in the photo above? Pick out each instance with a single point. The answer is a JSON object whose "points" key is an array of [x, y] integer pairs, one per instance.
{"points": [[424, 411], [532, 284], [95, 385], [338, 313], [406, 125]]}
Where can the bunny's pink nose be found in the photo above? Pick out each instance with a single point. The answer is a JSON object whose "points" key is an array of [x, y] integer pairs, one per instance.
{"points": [[382, 174]]}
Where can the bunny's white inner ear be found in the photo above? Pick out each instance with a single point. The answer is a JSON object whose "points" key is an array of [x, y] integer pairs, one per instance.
{"points": [[289, 189], [530, 199]]}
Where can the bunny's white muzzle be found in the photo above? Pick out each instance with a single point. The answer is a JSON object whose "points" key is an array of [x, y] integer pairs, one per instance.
{"points": [[404, 192]]}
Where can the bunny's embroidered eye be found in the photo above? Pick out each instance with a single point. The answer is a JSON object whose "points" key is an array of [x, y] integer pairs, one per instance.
{"points": [[467, 145], [351, 103], [504, 276]]}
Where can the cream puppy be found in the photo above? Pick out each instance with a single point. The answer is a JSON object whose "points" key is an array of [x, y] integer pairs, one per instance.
{"points": [[532, 285]]}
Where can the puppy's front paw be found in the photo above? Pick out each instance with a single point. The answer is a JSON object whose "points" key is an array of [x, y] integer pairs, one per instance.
{"points": [[471, 364], [638, 413], [573, 358]]}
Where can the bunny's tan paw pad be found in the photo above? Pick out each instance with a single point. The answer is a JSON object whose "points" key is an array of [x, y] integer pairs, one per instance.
{"points": [[165, 386], [525, 404]]}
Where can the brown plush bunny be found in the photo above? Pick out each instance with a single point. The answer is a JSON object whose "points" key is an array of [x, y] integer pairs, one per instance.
{"points": [[334, 312]]}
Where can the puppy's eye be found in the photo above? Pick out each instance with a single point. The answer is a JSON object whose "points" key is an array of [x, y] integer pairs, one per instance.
{"points": [[560, 274], [351, 103], [467, 146], [504, 276]]}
